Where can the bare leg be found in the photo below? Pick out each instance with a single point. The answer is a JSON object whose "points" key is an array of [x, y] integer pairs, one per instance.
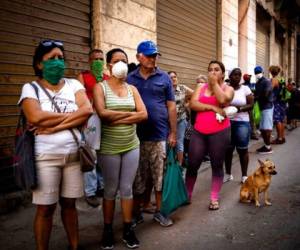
{"points": [[244, 160], [158, 197], [180, 157], [108, 211], [70, 220], [266, 134], [43, 225], [127, 206]]}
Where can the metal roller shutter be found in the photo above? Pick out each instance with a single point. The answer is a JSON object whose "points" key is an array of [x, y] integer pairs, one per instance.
{"points": [[262, 47], [23, 23], [187, 36]]}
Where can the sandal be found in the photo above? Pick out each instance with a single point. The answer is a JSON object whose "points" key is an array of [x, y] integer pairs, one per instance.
{"points": [[214, 205], [278, 141], [150, 209]]}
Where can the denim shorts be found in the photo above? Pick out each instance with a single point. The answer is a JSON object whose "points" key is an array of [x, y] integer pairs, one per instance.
{"points": [[181, 127], [240, 134], [266, 121]]}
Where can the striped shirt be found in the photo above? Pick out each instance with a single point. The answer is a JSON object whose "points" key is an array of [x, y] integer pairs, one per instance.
{"points": [[120, 138]]}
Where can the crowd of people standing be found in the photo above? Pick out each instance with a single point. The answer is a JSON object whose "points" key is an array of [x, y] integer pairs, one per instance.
{"points": [[129, 119]]}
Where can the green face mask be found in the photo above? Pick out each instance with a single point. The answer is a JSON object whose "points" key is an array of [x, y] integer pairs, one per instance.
{"points": [[97, 69], [53, 70]]}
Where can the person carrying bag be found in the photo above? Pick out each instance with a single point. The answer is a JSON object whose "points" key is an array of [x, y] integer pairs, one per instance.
{"points": [[86, 156], [174, 193]]}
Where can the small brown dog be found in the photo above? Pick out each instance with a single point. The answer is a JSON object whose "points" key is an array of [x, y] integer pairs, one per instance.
{"points": [[258, 182]]}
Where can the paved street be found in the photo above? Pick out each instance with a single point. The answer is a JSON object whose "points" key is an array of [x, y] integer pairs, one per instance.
{"points": [[234, 226]]}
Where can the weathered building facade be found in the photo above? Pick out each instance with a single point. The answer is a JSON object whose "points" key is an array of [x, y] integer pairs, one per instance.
{"points": [[189, 34]]}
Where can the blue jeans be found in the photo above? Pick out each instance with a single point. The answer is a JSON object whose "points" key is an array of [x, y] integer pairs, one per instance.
{"points": [[93, 181], [240, 134], [181, 127]]}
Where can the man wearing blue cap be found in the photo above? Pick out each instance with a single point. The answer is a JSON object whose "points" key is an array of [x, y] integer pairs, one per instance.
{"points": [[155, 88], [263, 94]]}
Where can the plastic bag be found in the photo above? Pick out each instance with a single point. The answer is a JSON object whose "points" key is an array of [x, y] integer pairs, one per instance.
{"points": [[92, 132], [256, 113], [174, 192]]}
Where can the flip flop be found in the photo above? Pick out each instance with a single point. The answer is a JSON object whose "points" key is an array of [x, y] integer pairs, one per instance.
{"points": [[149, 209], [213, 205]]}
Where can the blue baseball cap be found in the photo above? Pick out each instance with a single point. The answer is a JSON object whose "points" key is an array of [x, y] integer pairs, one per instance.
{"points": [[258, 70], [147, 48]]}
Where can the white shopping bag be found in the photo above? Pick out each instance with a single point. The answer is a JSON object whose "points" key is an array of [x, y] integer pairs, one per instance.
{"points": [[92, 131]]}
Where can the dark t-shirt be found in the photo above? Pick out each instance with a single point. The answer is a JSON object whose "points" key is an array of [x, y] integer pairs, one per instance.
{"points": [[263, 93], [155, 92]]}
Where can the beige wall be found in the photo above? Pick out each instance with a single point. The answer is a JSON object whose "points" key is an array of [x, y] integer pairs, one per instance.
{"points": [[247, 35], [124, 23], [293, 56], [230, 33], [251, 34]]}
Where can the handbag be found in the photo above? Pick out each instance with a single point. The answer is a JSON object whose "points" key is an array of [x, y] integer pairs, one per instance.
{"points": [[86, 156], [24, 164], [256, 113], [174, 193]]}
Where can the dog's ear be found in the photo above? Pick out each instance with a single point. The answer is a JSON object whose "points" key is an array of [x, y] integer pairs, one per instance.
{"points": [[261, 163]]}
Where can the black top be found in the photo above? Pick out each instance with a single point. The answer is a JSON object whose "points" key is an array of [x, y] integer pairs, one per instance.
{"points": [[263, 93]]}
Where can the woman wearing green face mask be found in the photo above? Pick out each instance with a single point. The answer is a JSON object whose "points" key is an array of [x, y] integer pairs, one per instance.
{"points": [[58, 168]]}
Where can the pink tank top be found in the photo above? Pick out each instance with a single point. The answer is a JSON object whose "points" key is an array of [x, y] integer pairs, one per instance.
{"points": [[206, 122]]}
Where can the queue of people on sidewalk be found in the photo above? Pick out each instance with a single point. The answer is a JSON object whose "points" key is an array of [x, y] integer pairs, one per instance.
{"points": [[129, 121]]}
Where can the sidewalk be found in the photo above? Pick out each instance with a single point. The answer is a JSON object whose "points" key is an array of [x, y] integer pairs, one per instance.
{"points": [[16, 232]]}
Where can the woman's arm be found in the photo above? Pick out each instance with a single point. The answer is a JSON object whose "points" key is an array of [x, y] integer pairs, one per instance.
{"points": [[74, 119], [248, 106], [106, 114], [224, 96], [200, 107], [189, 92], [139, 115], [39, 118]]}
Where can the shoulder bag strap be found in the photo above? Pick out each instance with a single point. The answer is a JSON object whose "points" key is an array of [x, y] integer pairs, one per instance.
{"points": [[22, 122], [58, 110]]}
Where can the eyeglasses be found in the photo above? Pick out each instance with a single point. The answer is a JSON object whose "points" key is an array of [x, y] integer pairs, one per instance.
{"points": [[48, 43]]}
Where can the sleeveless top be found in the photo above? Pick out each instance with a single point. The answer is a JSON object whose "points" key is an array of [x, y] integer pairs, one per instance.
{"points": [[119, 138], [206, 122]]}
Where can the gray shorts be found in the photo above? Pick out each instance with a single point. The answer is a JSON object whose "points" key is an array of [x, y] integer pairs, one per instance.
{"points": [[266, 121]]}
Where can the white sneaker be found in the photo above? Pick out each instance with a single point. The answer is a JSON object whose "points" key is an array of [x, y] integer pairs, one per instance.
{"points": [[227, 177], [244, 178]]}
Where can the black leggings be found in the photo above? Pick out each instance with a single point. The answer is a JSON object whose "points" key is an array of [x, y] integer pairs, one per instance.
{"points": [[214, 145]]}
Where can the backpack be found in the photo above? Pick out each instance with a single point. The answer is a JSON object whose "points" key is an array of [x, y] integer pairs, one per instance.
{"points": [[24, 157]]}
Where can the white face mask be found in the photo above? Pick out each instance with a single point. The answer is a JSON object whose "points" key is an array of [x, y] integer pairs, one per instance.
{"points": [[120, 70], [258, 76]]}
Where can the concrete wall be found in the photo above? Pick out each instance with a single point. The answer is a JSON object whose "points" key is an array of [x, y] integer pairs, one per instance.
{"points": [[124, 23], [229, 31], [247, 35], [293, 57], [251, 34]]}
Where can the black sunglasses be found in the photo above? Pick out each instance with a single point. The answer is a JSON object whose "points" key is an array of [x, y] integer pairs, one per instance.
{"points": [[48, 43]]}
